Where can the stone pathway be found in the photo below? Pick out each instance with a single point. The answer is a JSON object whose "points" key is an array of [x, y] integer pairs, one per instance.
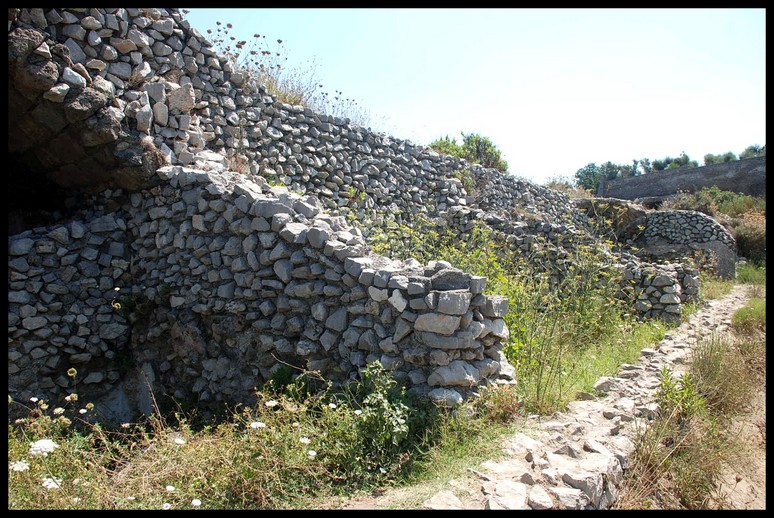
{"points": [[575, 459]]}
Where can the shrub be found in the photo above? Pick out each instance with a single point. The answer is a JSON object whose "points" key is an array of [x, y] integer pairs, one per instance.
{"points": [[475, 148]]}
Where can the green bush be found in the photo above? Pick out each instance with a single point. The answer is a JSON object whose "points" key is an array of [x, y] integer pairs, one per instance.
{"points": [[474, 148]]}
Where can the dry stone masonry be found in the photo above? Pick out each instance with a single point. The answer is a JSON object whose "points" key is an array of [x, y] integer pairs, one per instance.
{"points": [[179, 274], [223, 281], [682, 233]]}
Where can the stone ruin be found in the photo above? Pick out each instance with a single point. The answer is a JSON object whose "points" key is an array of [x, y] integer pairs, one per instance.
{"points": [[189, 235]]}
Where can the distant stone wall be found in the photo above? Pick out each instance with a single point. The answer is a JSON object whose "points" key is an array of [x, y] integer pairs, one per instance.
{"points": [[746, 176], [222, 281]]}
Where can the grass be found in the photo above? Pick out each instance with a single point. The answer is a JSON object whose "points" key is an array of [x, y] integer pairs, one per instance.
{"points": [[295, 447]]}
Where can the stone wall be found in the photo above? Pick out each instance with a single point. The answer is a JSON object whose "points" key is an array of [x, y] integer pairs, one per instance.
{"points": [[226, 281], [221, 278], [746, 176]]}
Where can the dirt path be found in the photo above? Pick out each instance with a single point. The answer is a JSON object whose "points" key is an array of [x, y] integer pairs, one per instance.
{"points": [[743, 485]]}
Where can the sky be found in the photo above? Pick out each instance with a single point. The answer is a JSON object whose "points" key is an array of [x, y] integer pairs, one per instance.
{"points": [[553, 89]]}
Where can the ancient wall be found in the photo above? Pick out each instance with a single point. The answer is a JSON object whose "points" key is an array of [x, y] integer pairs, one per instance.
{"points": [[221, 277], [222, 281]]}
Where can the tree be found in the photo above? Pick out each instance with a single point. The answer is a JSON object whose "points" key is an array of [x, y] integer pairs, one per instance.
{"points": [[674, 163], [474, 148], [645, 165], [710, 159], [752, 151], [588, 177], [447, 146], [483, 151]]}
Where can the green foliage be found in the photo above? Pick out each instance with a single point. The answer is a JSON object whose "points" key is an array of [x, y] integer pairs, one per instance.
{"points": [[588, 177], [726, 157], [753, 151], [713, 201], [669, 163], [751, 274], [679, 398], [301, 441], [448, 146], [474, 148]]}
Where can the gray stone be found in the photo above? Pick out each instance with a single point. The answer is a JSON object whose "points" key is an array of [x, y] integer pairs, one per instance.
{"points": [[437, 323], [443, 500], [453, 302], [33, 323], [450, 279], [181, 100], [73, 78], [398, 301], [20, 246], [57, 93], [445, 397], [496, 306], [294, 233], [337, 321], [459, 340], [112, 331], [458, 373]]}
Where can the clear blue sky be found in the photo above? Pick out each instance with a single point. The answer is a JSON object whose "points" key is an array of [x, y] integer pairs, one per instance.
{"points": [[554, 89]]}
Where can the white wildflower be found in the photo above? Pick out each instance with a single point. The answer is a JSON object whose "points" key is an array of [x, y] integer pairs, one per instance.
{"points": [[20, 465], [34, 399], [305, 440], [271, 403], [196, 502], [257, 424], [312, 454], [358, 412], [52, 482], [179, 440], [130, 497], [58, 410], [166, 506], [42, 447], [170, 488], [82, 411], [332, 406]]}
